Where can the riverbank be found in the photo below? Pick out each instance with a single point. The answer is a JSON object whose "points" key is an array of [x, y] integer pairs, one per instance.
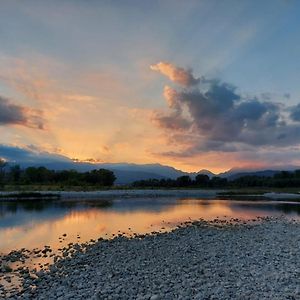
{"points": [[123, 193], [248, 194], [201, 260]]}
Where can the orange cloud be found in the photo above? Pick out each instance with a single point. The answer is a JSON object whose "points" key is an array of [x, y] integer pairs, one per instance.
{"points": [[176, 74]]}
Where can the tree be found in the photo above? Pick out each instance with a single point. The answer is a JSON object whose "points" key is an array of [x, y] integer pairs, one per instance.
{"points": [[69, 177], [184, 181], [202, 180], [3, 164], [101, 177], [15, 173], [218, 182], [39, 175], [108, 177]]}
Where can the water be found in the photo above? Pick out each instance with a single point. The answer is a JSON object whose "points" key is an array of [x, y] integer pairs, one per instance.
{"points": [[35, 223]]}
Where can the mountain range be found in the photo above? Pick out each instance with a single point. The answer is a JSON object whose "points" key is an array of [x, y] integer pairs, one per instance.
{"points": [[125, 172]]}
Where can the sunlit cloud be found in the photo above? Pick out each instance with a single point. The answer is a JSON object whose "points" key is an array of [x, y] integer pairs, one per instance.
{"points": [[176, 74]]}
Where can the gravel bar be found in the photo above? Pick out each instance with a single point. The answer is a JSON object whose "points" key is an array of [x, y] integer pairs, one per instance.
{"points": [[198, 260]]}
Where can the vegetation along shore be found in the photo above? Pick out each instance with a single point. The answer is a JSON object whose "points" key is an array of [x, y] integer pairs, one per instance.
{"points": [[15, 178]]}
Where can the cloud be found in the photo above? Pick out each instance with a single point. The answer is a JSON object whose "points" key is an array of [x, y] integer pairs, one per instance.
{"points": [[30, 155], [176, 74], [295, 113], [13, 114], [210, 115]]}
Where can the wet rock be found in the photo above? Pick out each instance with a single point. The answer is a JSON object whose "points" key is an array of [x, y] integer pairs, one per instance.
{"points": [[6, 268]]}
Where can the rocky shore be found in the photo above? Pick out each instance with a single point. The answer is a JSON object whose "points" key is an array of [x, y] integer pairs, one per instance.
{"points": [[259, 259]]}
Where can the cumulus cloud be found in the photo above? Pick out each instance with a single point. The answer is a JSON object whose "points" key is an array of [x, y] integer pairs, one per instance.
{"points": [[295, 113], [176, 74], [219, 118], [19, 115]]}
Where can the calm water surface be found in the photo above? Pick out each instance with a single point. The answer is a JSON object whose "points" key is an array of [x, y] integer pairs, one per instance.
{"points": [[36, 223]]}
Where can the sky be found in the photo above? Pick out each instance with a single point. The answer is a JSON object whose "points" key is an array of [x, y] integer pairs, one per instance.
{"points": [[191, 84]]}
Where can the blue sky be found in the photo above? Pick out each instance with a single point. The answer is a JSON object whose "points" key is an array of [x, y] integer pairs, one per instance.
{"points": [[83, 67]]}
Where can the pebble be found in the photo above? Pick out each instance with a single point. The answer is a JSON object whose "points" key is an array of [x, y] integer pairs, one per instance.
{"points": [[198, 260]]}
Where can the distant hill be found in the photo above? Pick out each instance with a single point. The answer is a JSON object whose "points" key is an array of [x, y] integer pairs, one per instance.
{"points": [[237, 173], [125, 172], [127, 177], [206, 172], [264, 173], [159, 170]]}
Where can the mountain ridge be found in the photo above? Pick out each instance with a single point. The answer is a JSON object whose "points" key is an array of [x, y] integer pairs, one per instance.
{"points": [[126, 173]]}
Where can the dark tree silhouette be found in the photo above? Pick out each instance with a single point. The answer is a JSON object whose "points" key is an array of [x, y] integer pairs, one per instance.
{"points": [[43, 176], [2, 170], [184, 181], [202, 180], [15, 174], [100, 177]]}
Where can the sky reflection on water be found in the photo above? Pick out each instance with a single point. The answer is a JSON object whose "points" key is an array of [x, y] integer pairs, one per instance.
{"points": [[37, 223]]}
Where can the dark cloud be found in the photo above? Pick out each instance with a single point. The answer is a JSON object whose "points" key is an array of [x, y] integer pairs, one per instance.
{"points": [[173, 121], [220, 119], [19, 115], [29, 154], [295, 113]]}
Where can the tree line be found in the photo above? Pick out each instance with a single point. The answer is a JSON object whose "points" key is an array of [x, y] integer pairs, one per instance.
{"points": [[281, 179], [41, 175]]}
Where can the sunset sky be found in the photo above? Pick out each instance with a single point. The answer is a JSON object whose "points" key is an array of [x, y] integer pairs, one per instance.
{"points": [[190, 84]]}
